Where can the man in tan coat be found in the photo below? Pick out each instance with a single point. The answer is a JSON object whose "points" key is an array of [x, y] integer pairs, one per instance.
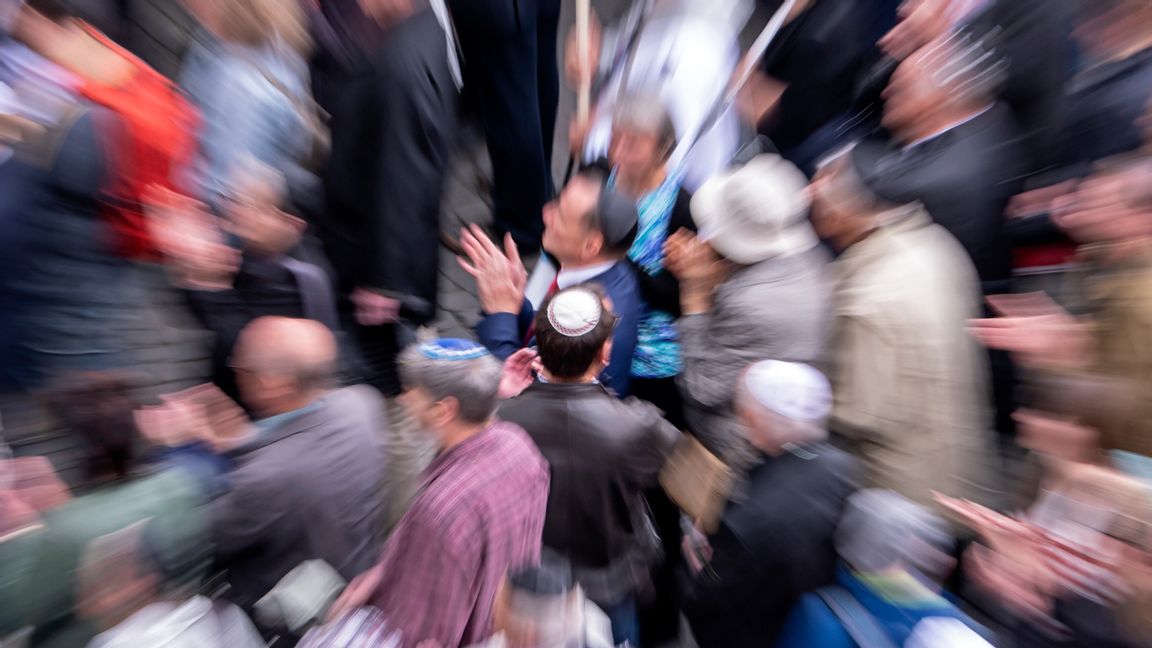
{"points": [[911, 386]]}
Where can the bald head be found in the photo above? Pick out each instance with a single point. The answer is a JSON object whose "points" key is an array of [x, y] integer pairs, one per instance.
{"points": [[282, 364]]}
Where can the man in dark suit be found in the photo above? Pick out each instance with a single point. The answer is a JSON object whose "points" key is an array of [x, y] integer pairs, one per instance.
{"points": [[510, 73], [392, 135], [952, 147], [588, 229]]}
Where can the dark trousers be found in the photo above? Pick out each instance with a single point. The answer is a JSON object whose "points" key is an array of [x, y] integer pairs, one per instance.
{"points": [[511, 78], [660, 615]]}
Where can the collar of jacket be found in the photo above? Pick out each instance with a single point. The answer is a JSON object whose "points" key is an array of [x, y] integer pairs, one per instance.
{"points": [[279, 427], [566, 390], [894, 222]]}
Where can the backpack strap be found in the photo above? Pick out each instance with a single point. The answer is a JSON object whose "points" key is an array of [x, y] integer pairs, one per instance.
{"points": [[859, 624]]}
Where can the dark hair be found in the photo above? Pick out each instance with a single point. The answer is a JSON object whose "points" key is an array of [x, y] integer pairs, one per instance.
{"points": [[98, 410], [596, 176], [611, 214], [570, 357]]}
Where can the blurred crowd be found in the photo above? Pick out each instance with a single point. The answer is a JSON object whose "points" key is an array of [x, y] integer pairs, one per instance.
{"points": [[837, 333]]}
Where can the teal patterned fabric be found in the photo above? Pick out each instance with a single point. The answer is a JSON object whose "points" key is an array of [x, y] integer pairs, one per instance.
{"points": [[658, 343]]}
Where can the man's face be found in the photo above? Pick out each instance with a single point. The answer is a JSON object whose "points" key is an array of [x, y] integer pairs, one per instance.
{"points": [[635, 154], [422, 407], [826, 213], [249, 383], [1101, 210], [907, 99], [566, 233], [267, 230], [386, 12]]}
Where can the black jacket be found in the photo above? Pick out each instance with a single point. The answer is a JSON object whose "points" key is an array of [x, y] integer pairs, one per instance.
{"points": [[964, 177], [772, 547], [393, 129], [602, 452]]}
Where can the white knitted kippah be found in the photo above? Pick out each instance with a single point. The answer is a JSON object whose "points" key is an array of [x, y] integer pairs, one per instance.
{"points": [[795, 391], [575, 312]]}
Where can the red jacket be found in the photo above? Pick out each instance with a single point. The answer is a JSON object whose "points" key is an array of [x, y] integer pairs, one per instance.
{"points": [[154, 141]]}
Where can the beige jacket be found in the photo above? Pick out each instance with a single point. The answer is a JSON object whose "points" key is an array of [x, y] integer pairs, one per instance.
{"points": [[912, 395]]}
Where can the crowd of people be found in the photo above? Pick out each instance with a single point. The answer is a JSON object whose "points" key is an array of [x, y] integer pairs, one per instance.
{"points": [[843, 339]]}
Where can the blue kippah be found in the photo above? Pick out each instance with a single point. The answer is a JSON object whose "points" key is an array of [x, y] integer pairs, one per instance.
{"points": [[452, 349]]}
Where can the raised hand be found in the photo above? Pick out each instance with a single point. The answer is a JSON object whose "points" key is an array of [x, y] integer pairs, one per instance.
{"points": [[500, 275], [517, 374], [190, 240], [1036, 330]]}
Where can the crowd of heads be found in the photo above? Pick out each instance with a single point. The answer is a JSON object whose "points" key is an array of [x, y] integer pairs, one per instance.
{"points": [[866, 296]]}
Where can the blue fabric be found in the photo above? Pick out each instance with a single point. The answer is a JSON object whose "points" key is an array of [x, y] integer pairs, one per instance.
{"points": [[503, 333], [625, 622], [657, 342], [243, 113], [196, 459], [63, 289], [452, 349], [270, 424], [812, 623]]}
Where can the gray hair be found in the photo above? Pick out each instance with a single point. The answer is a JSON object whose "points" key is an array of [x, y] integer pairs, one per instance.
{"points": [[881, 530], [844, 184], [473, 383], [966, 66], [646, 114]]}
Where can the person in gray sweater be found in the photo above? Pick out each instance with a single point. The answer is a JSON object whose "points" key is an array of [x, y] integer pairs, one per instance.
{"points": [[754, 286]]}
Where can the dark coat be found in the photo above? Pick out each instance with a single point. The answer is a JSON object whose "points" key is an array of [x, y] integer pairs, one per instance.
{"points": [[771, 548], [262, 288], [602, 453], [63, 288], [307, 488], [1103, 106], [964, 177], [391, 140]]}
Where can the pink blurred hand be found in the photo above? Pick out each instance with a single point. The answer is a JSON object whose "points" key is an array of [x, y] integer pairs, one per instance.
{"points": [[357, 593], [1036, 330], [190, 240], [500, 275], [517, 375]]}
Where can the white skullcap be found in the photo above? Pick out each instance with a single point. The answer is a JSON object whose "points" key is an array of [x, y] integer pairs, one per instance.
{"points": [[944, 632], [795, 391], [575, 312]]}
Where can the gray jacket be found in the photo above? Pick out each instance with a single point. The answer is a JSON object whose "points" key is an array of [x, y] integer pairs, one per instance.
{"points": [[307, 488], [777, 309]]}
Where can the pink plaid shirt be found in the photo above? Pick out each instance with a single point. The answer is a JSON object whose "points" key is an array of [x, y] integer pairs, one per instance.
{"points": [[479, 512]]}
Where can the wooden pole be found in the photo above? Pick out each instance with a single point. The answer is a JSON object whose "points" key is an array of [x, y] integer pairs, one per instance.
{"points": [[583, 44]]}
